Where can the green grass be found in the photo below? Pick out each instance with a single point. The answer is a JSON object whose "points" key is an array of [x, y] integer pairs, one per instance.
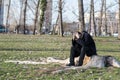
{"points": [[29, 47]]}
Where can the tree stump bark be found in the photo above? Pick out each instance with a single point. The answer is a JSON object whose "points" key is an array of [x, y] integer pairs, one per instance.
{"points": [[95, 61]]}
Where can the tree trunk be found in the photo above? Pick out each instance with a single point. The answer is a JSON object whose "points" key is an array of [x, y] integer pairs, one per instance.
{"points": [[89, 28], [21, 15], [43, 4], [81, 16], [24, 13], [101, 16], [92, 27], [8, 12], [119, 22], [48, 16], [56, 26], [105, 18], [60, 18], [36, 17], [93, 15]]}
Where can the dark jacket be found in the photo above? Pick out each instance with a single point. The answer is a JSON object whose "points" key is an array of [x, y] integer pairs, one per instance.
{"points": [[88, 43], [82, 46]]}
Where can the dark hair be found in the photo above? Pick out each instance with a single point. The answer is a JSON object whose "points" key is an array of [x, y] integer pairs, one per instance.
{"points": [[79, 32]]}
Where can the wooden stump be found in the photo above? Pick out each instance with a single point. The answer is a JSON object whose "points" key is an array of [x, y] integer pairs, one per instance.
{"points": [[94, 61]]}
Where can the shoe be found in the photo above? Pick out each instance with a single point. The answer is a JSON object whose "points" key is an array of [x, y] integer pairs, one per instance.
{"points": [[79, 64], [70, 64]]}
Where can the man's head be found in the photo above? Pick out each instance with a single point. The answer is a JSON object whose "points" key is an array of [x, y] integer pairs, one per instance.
{"points": [[77, 35]]}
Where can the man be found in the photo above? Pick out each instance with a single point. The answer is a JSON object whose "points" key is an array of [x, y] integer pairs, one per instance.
{"points": [[82, 44]]}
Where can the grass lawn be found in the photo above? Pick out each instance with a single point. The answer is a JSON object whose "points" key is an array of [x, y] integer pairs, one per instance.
{"points": [[29, 47]]}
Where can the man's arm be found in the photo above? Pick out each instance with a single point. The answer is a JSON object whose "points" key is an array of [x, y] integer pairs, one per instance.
{"points": [[85, 41], [73, 42], [80, 42]]}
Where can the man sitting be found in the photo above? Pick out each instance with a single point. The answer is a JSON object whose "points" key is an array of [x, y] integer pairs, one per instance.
{"points": [[82, 44]]}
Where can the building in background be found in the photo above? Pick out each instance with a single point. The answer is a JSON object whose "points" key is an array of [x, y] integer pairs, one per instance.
{"points": [[14, 14], [3, 11], [111, 22]]}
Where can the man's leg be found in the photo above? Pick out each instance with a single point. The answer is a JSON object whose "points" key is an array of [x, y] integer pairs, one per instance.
{"points": [[73, 54], [82, 55]]}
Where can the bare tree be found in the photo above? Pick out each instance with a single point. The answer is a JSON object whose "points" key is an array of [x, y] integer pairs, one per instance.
{"points": [[24, 13], [48, 16], [101, 16], [20, 18], [105, 10], [81, 16], [119, 22], [89, 28], [43, 4], [92, 27], [8, 12], [56, 25], [36, 17], [60, 18]]}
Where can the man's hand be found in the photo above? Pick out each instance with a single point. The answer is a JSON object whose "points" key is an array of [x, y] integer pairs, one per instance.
{"points": [[73, 37], [77, 35]]}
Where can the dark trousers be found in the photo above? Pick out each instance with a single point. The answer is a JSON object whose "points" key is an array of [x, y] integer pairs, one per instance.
{"points": [[75, 52]]}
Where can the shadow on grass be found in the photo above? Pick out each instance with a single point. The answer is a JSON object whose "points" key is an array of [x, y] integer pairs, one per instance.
{"points": [[18, 49], [109, 50], [47, 49]]}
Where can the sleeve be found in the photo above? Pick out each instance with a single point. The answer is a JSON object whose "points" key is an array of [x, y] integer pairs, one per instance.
{"points": [[73, 42], [80, 42], [85, 41], [86, 38]]}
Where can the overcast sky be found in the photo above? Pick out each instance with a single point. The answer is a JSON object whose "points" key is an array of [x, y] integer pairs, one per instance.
{"points": [[72, 6]]}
